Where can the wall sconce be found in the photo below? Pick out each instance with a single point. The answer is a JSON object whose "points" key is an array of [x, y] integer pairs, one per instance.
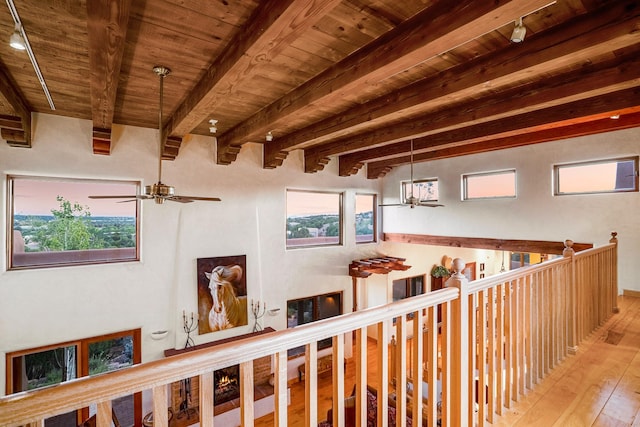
{"points": [[213, 128], [17, 41], [158, 335], [269, 136], [615, 116], [273, 311], [518, 32]]}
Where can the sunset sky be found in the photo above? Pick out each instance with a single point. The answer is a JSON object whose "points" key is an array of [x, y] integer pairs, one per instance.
{"points": [[38, 197]]}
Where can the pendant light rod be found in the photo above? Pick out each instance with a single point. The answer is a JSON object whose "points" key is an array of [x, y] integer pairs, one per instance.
{"points": [[162, 72]]}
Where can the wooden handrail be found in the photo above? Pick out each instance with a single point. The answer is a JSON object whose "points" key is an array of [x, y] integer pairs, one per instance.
{"points": [[31, 406]]}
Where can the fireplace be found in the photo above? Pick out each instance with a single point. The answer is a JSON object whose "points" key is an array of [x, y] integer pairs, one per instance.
{"points": [[226, 385]]}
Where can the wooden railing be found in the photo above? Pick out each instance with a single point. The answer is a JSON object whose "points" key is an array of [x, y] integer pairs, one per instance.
{"points": [[496, 337]]}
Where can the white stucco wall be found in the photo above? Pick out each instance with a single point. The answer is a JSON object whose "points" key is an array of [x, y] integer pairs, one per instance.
{"points": [[535, 213], [45, 306]]}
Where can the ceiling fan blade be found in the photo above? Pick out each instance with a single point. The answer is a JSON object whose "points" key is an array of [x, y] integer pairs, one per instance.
{"points": [[394, 204], [114, 197], [430, 205], [189, 199], [205, 199]]}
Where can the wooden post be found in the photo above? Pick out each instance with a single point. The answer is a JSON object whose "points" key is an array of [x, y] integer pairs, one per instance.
{"points": [[280, 391], [206, 393], [572, 327], [459, 347], [614, 272]]}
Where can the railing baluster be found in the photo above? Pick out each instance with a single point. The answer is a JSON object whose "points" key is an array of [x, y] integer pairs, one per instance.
{"points": [[500, 348], [160, 414], [311, 386], [491, 354], [103, 414], [383, 373], [337, 374], [361, 376], [205, 391], [446, 361], [481, 394], [418, 357], [401, 372], [280, 390], [246, 394], [431, 371]]}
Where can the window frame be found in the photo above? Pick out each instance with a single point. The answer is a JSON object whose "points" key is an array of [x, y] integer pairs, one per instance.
{"points": [[340, 207], [82, 365], [315, 316], [374, 218], [559, 166], [49, 259], [407, 183], [465, 184]]}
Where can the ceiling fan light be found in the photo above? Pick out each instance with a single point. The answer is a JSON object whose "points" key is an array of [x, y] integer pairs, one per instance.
{"points": [[16, 40]]}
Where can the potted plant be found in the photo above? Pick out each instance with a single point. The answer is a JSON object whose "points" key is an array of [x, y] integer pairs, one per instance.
{"points": [[440, 271]]}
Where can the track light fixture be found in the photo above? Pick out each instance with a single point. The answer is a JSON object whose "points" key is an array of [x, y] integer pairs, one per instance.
{"points": [[518, 32], [269, 137], [213, 128], [17, 41]]}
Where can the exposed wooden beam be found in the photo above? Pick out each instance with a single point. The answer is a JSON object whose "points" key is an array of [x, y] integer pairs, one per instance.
{"points": [[272, 28], [402, 48], [616, 74], [580, 39], [171, 148], [17, 137], [101, 141], [534, 246], [107, 29], [573, 113], [627, 120]]}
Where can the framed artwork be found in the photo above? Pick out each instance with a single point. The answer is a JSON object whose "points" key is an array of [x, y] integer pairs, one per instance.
{"points": [[222, 293]]}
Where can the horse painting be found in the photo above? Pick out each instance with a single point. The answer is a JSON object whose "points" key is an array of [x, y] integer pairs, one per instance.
{"points": [[228, 309]]}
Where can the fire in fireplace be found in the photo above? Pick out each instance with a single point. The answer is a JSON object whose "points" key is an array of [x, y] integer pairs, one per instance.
{"points": [[225, 384]]}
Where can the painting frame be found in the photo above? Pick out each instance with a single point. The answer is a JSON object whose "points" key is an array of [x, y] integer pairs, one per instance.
{"points": [[230, 311]]}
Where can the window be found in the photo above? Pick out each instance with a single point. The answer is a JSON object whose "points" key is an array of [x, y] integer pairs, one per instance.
{"points": [[52, 222], [307, 310], [313, 218], [425, 190], [36, 368], [605, 176], [408, 287], [365, 218], [489, 185]]}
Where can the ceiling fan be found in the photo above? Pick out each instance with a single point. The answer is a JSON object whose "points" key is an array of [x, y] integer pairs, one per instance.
{"points": [[413, 201], [160, 191]]}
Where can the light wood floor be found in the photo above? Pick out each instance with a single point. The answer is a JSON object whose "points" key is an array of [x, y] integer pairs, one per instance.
{"points": [[599, 386]]}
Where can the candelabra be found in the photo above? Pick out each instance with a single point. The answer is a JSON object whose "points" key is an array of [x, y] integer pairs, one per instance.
{"points": [[189, 324], [258, 311]]}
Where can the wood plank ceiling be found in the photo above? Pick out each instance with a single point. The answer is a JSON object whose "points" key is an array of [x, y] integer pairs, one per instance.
{"points": [[352, 81]]}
